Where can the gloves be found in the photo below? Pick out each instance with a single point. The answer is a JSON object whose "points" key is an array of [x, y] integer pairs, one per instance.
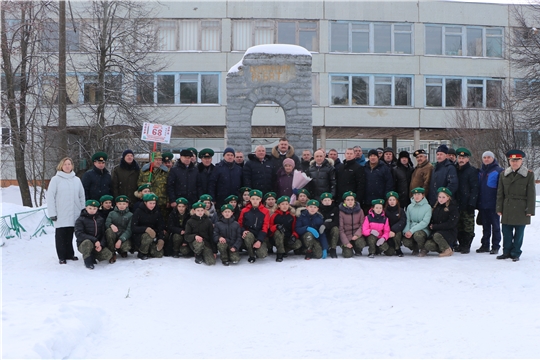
{"points": [[328, 220], [150, 232], [295, 192], [292, 240], [380, 241], [280, 228], [313, 231], [374, 232], [470, 209], [160, 244], [53, 218], [322, 228], [324, 254]]}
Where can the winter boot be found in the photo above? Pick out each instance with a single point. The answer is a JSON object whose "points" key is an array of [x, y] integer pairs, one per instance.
{"points": [[481, 250], [399, 253], [142, 256], [332, 253], [279, 257], [198, 258], [225, 263], [309, 254], [494, 251], [371, 256], [423, 253], [447, 252], [89, 262], [503, 257], [113, 259], [251, 259]]}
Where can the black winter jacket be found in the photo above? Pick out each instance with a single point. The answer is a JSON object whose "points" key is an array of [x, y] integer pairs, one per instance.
{"points": [[124, 180], [350, 177], [225, 180], [176, 223], [203, 227], [96, 183], [467, 192], [145, 218], [402, 182], [204, 176], [184, 182], [379, 181], [230, 230], [444, 221], [396, 220], [323, 178], [444, 175], [329, 212], [89, 227], [258, 174]]}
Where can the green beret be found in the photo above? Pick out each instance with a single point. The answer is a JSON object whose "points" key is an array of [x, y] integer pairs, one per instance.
{"points": [[143, 186], [198, 205], [283, 198], [99, 156], [206, 153], [377, 201], [515, 154], [182, 200], [106, 198], [149, 197], [270, 194], [230, 198], [227, 207], [256, 192], [121, 198], [167, 156], [447, 191], [193, 150], [244, 189], [463, 152], [326, 195], [392, 193], [94, 203], [313, 202], [205, 197], [418, 190], [304, 191], [347, 194]]}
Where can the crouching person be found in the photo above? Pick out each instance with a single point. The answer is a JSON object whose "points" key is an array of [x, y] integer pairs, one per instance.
{"points": [[308, 226], [282, 228], [118, 225], [416, 230], [89, 229], [444, 220], [228, 236], [255, 222], [147, 228], [176, 226], [199, 234], [330, 213], [376, 229], [351, 218], [397, 220]]}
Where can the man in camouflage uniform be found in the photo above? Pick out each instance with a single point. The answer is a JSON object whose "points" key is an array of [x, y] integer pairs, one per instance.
{"points": [[157, 180]]}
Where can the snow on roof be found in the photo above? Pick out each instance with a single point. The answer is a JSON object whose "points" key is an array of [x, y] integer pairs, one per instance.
{"points": [[275, 49]]}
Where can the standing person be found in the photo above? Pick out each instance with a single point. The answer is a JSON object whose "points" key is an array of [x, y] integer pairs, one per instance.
{"points": [[516, 201], [389, 158], [255, 223], [168, 159], [380, 152], [205, 168], [444, 175], [359, 155], [283, 150], [226, 178], [396, 219], [350, 177], [183, 180], [416, 230], [228, 236], [333, 154], [147, 227], [466, 196], [284, 178], [89, 230], [444, 219], [124, 177], [402, 177], [452, 156], [488, 176], [193, 155], [65, 200], [379, 180], [307, 156], [421, 175], [239, 158], [157, 178], [322, 174], [258, 172], [97, 181], [351, 218]]}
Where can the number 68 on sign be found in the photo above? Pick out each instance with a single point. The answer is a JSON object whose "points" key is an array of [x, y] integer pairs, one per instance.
{"points": [[156, 133]]}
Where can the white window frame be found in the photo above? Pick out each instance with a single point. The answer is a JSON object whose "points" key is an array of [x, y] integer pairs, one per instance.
{"points": [[200, 29], [6, 133], [463, 35], [464, 90]]}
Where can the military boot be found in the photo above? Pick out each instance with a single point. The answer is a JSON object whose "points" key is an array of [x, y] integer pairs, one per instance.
{"points": [[89, 262], [332, 253], [279, 257]]}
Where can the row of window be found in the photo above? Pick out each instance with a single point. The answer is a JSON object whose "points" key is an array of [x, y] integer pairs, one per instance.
{"points": [[345, 37]]}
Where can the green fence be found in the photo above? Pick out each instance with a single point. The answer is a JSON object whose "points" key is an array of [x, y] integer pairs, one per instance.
{"points": [[11, 225]]}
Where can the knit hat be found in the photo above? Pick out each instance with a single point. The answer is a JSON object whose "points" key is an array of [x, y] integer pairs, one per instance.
{"points": [[404, 154], [443, 148], [373, 152], [388, 149], [128, 151], [228, 150], [488, 153], [288, 161], [451, 151]]}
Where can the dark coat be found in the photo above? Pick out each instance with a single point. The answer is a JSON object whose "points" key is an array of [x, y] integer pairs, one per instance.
{"points": [[184, 182], [397, 219], [315, 221], [204, 176], [255, 220], [516, 196], [230, 230], [258, 174], [203, 227], [323, 178], [96, 183], [176, 223], [379, 181], [286, 219], [124, 180], [444, 221], [225, 180], [350, 177], [277, 158], [488, 181], [337, 163], [145, 218], [283, 185], [330, 214], [402, 182], [89, 227], [444, 175], [467, 192], [104, 213], [304, 165]]}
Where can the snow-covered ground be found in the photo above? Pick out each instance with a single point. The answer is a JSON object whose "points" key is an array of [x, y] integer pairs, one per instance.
{"points": [[465, 306]]}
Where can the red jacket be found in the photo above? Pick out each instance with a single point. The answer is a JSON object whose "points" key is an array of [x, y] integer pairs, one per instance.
{"points": [[286, 219], [255, 220]]}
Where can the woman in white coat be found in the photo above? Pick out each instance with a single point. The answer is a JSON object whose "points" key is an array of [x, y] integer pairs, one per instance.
{"points": [[65, 200]]}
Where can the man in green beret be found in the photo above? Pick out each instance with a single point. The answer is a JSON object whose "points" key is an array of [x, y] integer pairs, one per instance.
{"points": [[193, 155], [168, 160], [205, 168], [97, 181], [466, 197], [118, 228]]}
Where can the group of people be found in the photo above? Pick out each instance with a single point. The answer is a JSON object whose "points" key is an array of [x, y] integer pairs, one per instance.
{"points": [[187, 208]]}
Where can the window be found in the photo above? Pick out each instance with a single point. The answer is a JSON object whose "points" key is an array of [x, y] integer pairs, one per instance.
{"points": [[17, 81], [178, 88], [49, 90], [247, 33], [189, 35], [380, 38], [453, 92], [457, 40], [371, 90], [6, 136], [49, 38], [95, 94]]}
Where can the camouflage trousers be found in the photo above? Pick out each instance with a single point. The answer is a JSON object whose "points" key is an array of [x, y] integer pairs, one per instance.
{"points": [[261, 252], [283, 246], [417, 241], [384, 248], [312, 244], [333, 237], [180, 246], [437, 244], [226, 254], [465, 229], [112, 238], [204, 249], [357, 244], [149, 247], [87, 248]]}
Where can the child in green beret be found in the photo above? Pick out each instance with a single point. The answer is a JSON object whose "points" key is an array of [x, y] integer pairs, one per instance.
{"points": [[233, 201], [282, 229], [228, 236], [89, 230], [176, 227], [209, 206], [106, 206], [255, 222], [270, 202], [147, 227], [330, 213], [200, 234], [118, 228], [397, 220], [351, 218], [376, 229], [301, 203]]}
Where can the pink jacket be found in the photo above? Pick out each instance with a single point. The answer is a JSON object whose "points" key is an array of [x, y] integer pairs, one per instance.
{"points": [[376, 222]]}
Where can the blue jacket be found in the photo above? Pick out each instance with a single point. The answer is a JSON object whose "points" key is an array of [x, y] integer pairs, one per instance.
{"points": [[379, 181], [362, 160], [315, 221], [488, 179], [444, 175], [225, 180]]}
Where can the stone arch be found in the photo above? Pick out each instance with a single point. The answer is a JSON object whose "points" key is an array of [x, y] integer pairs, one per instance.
{"points": [[280, 73]]}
